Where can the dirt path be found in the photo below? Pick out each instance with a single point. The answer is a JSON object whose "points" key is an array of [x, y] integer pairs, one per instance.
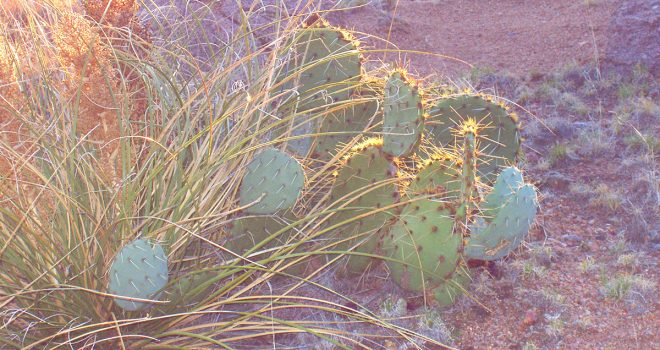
{"points": [[537, 36]]}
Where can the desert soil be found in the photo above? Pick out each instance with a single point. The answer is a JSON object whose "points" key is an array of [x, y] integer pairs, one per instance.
{"points": [[563, 307], [454, 35]]}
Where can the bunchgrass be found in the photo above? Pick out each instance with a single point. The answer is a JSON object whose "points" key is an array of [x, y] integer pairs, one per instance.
{"points": [[170, 175]]}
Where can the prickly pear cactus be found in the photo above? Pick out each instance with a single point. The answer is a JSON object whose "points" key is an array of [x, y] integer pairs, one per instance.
{"points": [[439, 175], [403, 115], [344, 125], [423, 246], [507, 183], [273, 178], [491, 237], [138, 271], [189, 290], [329, 62], [498, 133], [366, 182], [247, 231], [453, 288], [300, 143]]}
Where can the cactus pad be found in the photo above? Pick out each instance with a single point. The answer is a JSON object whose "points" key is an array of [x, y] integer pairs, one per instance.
{"points": [[491, 240], [498, 134], [424, 245], [329, 62], [507, 183], [247, 231], [368, 170], [138, 271], [350, 121], [277, 177], [440, 175], [403, 115], [300, 142], [190, 289], [447, 293]]}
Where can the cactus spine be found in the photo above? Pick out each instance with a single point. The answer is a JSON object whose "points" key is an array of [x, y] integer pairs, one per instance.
{"points": [[499, 134]]}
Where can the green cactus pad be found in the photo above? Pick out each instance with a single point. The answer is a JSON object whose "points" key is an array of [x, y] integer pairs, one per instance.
{"points": [[491, 240], [448, 292], [275, 175], [351, 121], [367, 169], [424, 244], [138, 271], [247, 231], [440, 175], [297, 144], [498, 135], [403, 115], [507, 183], [190, 289], [329, 62]]}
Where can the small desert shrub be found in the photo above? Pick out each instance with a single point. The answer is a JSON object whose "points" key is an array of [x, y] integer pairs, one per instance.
{"points": [[594, 141], [558, 154], [633, 288], [588, 265], [607, 198], [555, 326]]}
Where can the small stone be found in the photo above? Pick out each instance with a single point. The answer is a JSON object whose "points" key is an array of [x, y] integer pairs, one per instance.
{"points": [[572, 240], [531, 317], [557, 181]]}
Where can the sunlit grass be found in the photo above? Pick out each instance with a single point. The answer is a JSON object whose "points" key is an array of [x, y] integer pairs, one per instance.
{"points": [[130, 137]]}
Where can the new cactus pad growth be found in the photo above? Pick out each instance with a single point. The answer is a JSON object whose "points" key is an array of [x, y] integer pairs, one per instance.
{"points": [[274, 180], [423, 246], [138, 271], [493, 237], [498, 132], [329, 63], [403, 115], [365, 183]]}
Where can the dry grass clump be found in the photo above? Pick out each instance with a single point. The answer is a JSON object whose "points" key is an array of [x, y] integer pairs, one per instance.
{"points": [[91, 83], [11, 99], [117, 13]]}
